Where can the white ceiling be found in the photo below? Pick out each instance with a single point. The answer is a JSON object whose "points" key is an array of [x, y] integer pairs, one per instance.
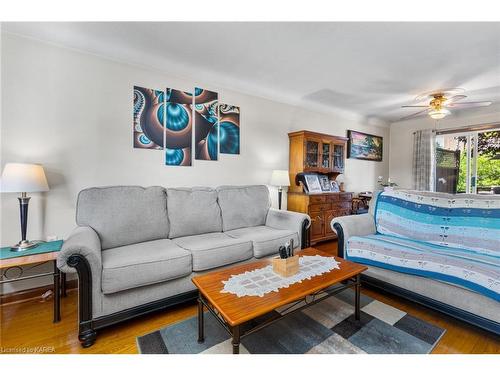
{"points": [[365, 69]]}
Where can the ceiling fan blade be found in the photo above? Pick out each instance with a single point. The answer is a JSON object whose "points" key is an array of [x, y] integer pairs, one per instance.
{"points": [[454, 99], [414, 114], [414, 106], [468, 104]]}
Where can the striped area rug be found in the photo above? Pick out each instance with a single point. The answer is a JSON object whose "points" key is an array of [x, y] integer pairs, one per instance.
{"points": [[327, 327]]}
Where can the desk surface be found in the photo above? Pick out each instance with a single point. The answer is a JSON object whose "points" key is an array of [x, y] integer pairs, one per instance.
{"points": [[42, 253], [29, 259]]}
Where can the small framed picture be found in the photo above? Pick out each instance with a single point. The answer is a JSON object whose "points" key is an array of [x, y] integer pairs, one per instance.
{"points": [[313, 185], [334, 186], [325, 183]]}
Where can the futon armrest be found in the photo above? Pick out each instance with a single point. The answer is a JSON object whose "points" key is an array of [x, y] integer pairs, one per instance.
{"points": [[85, 242], [352, 225], [295, 221]]}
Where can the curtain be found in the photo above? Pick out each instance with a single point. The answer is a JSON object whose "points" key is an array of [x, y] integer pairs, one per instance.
{"points": [[423, 160]]}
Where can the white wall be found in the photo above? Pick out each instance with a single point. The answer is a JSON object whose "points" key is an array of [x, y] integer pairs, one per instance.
{"points": [[401, 137], [72, 112]]}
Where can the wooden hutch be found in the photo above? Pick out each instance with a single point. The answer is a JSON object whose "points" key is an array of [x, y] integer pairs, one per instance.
{"points": [[322, 154]]}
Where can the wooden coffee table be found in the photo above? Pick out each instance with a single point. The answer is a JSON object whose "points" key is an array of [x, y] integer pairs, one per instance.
{"points": [[232, 311]]}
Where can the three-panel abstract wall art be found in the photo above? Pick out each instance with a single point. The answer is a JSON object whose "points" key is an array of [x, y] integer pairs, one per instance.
{"points": [[164, 120]]}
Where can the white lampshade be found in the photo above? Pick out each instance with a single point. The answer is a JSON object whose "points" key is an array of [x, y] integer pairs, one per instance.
{"points": [[23, 178], [280, 178]]}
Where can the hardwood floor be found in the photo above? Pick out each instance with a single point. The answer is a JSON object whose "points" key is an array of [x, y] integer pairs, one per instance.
{"points": [[28, 324]]}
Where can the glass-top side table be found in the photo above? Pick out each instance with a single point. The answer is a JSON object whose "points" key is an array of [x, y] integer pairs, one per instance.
{"points": [[43, 253]]}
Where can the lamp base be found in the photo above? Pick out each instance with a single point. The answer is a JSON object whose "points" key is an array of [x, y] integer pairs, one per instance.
{"points": [[23, 245]]}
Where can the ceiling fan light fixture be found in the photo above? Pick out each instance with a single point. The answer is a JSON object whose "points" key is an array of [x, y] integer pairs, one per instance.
{"points": [[440, 101], [438, 114]]}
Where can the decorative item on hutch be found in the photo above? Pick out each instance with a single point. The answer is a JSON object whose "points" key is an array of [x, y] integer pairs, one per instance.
{"points": [[318, 158]]}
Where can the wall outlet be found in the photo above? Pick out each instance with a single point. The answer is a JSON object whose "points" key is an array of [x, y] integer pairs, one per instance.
{"points": [[52, 237]]}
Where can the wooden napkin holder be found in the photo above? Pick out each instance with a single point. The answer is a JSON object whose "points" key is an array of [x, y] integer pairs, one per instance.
{"points": [[286, 267]]}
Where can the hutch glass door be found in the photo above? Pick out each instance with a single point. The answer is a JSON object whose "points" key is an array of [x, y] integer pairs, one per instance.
{"points": [[338, 157], [325, 155], [312, 154]]}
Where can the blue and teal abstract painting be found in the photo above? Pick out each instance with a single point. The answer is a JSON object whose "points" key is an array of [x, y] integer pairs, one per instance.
{"points": [[148, 118], [229, 129], [206, 132], [165, 120], [178, 127]]}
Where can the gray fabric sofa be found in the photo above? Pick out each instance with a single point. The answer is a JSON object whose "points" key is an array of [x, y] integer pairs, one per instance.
{"points": [[453, 300], [136, 249]]}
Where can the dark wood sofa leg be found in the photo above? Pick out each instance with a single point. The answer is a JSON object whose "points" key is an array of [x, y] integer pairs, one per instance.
{"points": [[340, 240], [86, 332], [305, 240], [87, 337]]}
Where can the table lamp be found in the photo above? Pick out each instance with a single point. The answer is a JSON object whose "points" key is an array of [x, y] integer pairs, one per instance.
{"points": [[280, 178], [23, 178]]}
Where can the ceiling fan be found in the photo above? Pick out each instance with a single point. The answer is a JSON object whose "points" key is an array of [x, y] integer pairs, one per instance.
{"points": [[440, 103]]}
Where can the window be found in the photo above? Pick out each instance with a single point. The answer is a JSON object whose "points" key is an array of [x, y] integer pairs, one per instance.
{"points": [[468, 162]]}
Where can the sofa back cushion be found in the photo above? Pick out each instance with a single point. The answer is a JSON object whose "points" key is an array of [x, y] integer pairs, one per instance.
{"points": [[470, 222], [193, 211], [243, 206], [124, 215]]}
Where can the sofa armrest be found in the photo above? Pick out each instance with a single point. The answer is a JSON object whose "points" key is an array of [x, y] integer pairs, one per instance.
{"points": [[295, 221], [81, 253], [352, 225], [85, 242]]}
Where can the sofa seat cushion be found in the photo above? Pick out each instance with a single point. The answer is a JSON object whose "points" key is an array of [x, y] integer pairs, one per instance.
{"points": [[468, 269], [213, 250], [266, 240], [145, 263]]}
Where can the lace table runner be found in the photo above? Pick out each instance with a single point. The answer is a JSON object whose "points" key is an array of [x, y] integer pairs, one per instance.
{"points": [[263, 280]]}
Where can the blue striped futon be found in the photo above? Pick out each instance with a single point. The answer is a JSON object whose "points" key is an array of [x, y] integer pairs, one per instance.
{"points": [[451, 238]]}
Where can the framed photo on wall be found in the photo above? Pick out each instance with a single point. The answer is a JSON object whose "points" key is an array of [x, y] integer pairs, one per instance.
{"points": [[364, 146]]}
